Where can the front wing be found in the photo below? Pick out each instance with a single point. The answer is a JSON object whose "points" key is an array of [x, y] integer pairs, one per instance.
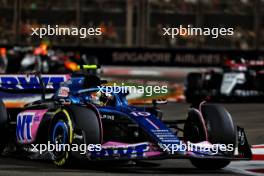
{"points": [[147, 150]]}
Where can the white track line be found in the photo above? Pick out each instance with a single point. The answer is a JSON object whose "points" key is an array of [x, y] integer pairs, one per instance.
{"points": [[242, 167]]}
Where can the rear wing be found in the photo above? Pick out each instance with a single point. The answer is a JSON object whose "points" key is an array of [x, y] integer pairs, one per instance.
{"points": [[30, 83], [16, 90]]}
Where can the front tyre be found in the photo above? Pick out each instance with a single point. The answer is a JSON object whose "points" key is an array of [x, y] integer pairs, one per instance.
{"points": [[61, 133], [220, 130], [210, 164]]}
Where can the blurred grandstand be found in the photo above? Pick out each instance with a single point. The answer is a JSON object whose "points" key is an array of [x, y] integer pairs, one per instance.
{"points": [[135, 23]]}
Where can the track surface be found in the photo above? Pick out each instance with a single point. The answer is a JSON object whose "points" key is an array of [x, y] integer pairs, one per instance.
{"points": [[249, 116]]}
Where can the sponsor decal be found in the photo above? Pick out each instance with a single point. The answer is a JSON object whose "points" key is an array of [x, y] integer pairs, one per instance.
{"points": [[28, 124], [247, 93], [31, 81], [24, 124], [165, 136], [130, 151], [164, 58], [108, 117], [64, 92], [230, 80]]}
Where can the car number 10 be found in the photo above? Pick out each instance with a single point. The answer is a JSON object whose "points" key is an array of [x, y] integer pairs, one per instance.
{"points": [[137, 113]]}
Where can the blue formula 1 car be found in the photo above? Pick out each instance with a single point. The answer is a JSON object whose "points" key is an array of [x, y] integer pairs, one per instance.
{"points": [[80, 112]]}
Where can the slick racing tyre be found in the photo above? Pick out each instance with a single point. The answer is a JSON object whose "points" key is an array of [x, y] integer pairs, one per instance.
{"points": [[75, 125], [61, 134], [218, 125], [89, 122], [3, 127]]}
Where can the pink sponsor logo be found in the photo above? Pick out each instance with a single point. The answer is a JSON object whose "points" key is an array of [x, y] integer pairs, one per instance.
{"points": [[27, 125]]}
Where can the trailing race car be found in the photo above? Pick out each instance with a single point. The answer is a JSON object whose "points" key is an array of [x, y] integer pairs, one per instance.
{"points": [[239, 80], [83, 112], [42, 59]]}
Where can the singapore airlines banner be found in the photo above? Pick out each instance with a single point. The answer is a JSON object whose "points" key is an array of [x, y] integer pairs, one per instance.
{"points": [[163, 57], [168, 57]]}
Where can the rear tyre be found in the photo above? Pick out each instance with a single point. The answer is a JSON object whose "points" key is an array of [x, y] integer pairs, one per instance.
{"points": [[220, 130], [3, 127]]}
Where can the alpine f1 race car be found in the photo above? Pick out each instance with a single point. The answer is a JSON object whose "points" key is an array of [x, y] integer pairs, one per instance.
{"points": [[77, 110], [238, 80]]}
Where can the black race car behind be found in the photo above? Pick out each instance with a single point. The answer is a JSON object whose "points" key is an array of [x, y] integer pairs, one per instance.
{"points": [[238, 80]]}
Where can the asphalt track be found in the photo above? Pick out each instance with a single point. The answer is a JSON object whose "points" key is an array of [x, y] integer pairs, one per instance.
{"points": [[249, 116]]}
